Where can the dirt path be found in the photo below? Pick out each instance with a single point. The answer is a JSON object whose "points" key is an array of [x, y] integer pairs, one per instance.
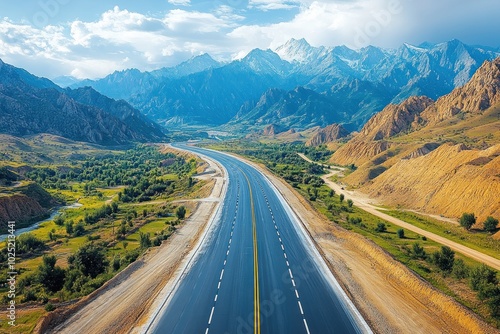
{"points": [[128, 299], [391, 298], [365, 203]]}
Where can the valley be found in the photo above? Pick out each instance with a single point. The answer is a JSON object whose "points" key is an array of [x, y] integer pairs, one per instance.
{"points": [[380, 167]]}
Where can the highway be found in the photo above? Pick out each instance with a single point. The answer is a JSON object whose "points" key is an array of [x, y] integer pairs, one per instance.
{"points": [[256, 272]]}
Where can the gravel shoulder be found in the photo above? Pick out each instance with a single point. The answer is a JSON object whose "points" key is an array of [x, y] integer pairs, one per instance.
{"points": [[391, 297]]}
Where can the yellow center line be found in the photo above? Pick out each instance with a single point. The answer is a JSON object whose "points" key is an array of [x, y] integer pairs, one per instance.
{"points": [[256, 294]]}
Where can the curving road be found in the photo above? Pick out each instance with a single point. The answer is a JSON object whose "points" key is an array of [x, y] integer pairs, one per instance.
{"points": [[257, 272]]}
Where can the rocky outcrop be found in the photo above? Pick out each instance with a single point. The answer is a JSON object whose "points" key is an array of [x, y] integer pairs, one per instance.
{"points": [[327, 135], [479, 94], [394, 119], [19, 208], [272, 130]]}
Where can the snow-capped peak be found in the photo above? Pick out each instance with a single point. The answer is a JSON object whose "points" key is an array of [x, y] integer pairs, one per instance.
{"points": [[297, 50]]}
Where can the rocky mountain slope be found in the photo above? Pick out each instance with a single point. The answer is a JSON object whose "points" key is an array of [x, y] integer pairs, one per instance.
{"points": [[327, 135], [356, 83], [31, 105], [441, 157]]}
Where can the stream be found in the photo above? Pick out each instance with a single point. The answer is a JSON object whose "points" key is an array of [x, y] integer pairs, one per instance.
{"points": [[37, 224]]}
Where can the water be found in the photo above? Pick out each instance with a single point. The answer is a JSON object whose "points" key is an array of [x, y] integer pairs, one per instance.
{"points": [[37, 224]]}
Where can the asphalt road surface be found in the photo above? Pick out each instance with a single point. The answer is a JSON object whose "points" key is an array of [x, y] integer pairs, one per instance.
{"points": [[256, 272]]}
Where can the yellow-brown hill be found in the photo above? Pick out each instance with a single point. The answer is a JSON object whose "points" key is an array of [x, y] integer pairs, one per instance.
{"points": [[441, 157]]}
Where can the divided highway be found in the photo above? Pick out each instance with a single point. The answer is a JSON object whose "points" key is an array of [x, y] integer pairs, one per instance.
{"points": [[256, 271]]}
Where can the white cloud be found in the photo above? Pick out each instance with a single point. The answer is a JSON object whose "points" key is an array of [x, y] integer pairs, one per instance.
{"points": [[121, 39], [180, 2]]}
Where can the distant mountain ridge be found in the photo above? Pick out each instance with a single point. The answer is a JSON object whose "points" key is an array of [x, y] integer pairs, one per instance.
{"points": [[31, 105], [357, 83]]}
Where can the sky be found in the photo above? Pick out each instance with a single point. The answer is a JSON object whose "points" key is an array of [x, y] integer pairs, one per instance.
{"points": [[93, 38]]}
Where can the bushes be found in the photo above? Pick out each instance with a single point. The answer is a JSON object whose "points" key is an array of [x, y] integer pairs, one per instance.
{"points": [[381, 227], [28, 243], [180, 212], [90, 259], [50, 275]]}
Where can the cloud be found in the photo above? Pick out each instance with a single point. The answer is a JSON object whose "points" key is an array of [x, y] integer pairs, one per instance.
{"points": [[121, 39], [180, 2]]}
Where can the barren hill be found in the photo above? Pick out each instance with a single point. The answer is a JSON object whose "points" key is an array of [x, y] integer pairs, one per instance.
{"points": [[327, 135], [442, 157]]}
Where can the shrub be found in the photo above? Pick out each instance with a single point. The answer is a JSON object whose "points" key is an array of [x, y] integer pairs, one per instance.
{"points": [[350, 203], [180, 212], [28, 243], [49, 307], [342, 198], [481, 276]]}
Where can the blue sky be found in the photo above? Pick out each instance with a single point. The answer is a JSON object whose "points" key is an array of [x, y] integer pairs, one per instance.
{"points": [[90, 39]]}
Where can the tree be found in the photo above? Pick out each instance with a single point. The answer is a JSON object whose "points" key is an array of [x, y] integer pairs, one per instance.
{"points": [[401, 233], [90, 259], [350, 203], [380, 227], [180, 212], [50, 275], [145, 240], [444, 259], [69, 227], [490, 224], [460, 270], [467, 220], [481, 276], [79, 229], [331, 193], [342, 198], [59, 220], [418, 252]]}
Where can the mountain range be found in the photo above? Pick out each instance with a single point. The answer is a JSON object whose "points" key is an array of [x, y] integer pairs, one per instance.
{"points": [[349, 85], [30, 105]]}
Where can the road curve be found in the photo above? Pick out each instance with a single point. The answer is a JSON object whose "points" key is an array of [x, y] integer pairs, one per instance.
{"points": [[257, 271]]}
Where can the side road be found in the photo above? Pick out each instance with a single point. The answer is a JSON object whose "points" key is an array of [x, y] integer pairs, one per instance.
{"points": [[362, 202]]}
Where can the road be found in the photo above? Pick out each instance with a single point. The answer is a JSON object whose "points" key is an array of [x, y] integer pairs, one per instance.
{"points": [[257, 271], [363, 202]]}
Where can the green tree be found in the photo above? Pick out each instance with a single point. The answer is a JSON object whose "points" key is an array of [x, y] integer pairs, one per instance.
{"points": [[418, 252], [380, 227], [50, 275], [69, 227], [467, 220], [331, 193], [180, 212], [481, 276], [90, 259], [460, 270], [342, 198], [145, 240], [59, 220], [350, 203], [79, 229], [401, 233], [490, 224], [444, 259]]}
